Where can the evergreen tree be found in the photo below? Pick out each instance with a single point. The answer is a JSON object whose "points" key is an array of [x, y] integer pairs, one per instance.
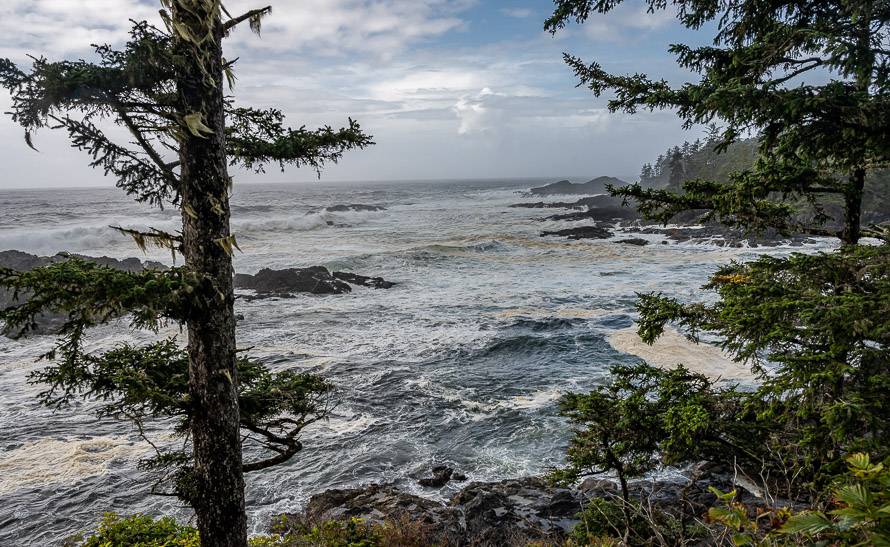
{"points": [[810, 77], [166, 88]]}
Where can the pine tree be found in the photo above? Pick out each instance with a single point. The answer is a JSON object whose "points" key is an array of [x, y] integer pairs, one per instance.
{"points": [[166, 88], [810, 80], [809, 77]]}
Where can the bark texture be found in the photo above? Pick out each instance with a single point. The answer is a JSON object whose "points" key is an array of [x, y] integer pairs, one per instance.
{"points": [[218, 477]]}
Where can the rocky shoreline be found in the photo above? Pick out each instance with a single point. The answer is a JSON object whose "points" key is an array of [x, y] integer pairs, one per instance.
{"points": [[611, 217], [513, 511]]}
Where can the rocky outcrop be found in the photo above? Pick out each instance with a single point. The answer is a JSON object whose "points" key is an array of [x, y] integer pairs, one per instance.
{"points": [[565, 187], [519, 511], [599, 214], [51, 322], [582, 232], [355, 279], [313, 280], [502, 513], [354, 207], [442, 475], [638, 241]]}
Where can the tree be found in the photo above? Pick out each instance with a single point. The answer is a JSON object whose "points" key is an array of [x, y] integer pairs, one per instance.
{"points": [[165, 87], [814, 326], [809, 77], [644, 417]]}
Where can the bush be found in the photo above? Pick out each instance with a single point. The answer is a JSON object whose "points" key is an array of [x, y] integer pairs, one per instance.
{"points": [[145, 531], [138, 531]]}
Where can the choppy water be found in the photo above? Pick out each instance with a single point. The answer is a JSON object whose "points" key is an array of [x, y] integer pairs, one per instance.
{"points": [[461, 363]]}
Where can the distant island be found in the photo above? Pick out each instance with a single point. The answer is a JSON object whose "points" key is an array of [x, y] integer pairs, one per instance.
{"points": [[565, 187]]}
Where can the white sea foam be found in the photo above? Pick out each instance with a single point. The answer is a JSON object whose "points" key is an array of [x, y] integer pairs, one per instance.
{"points": [[51, 461], [672, 349]]}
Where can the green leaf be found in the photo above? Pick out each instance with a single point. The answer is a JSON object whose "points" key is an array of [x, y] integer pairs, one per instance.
{"points": [[810, 523]]}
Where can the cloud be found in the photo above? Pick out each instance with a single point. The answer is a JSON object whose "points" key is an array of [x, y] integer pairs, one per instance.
{"points": [[625, 22], [337, 27]]}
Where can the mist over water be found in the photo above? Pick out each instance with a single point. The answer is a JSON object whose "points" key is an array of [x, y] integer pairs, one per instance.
{"points": [[461, 363]]}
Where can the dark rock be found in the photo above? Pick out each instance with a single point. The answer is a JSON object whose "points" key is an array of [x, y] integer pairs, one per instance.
{"points": [[376, 504], [565, 187], [441, 476], [583, 232], [457, 476], [373, 282], [286, 283], [638, 241], [600, 214], [354, 207], [546, 205], [50, 322], [314, 280], [505, 513]]}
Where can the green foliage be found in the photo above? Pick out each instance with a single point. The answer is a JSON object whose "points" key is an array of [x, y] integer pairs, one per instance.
{"points": [[138, 531], [808, 77], [150, 384], [144, 531], [820, 326], [861, 513], [645, 417]]}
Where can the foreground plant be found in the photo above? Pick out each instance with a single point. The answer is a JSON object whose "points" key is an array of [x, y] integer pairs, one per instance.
{"points": [[165, 88]]}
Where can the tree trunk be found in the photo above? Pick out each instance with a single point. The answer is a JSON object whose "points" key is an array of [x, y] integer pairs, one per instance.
{"points": [[218, 497], [853, 208]]}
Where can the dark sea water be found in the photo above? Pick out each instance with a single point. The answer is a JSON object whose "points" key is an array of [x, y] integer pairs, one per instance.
{"points": [[461, 363]]}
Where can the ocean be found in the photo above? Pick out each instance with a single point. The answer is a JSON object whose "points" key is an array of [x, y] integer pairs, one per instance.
{"points": [[461, 363]]}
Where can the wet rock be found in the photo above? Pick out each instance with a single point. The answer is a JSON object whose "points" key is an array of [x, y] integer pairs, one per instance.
{"points": [[365, 281], [442, 475], [601, 214], [313, 280], [547, 205], [377, 503], [286, 283], [502, 513], [583, 232], [357, 207], [638, 241]]}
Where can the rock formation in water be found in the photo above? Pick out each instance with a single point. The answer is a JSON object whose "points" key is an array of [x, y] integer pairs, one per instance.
{"points": [[582, 232], [351, 207], [565, 187], [312, 280]]}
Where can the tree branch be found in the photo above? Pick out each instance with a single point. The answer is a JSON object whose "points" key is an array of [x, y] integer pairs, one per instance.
{"points": [[252, 14], [149, 149]]}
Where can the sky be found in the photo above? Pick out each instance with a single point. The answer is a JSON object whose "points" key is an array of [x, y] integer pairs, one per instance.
{"points": [[449, 89]]}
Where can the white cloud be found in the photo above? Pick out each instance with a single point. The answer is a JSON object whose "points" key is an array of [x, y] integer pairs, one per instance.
{"points": [[626, 22]]}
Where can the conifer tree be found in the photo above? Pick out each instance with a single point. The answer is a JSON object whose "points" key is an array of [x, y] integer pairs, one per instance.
{"points": [[166, 88], [809, 77]]}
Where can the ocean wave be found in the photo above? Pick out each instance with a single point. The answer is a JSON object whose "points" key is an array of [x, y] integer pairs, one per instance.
{"points": [[49, 461]]}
